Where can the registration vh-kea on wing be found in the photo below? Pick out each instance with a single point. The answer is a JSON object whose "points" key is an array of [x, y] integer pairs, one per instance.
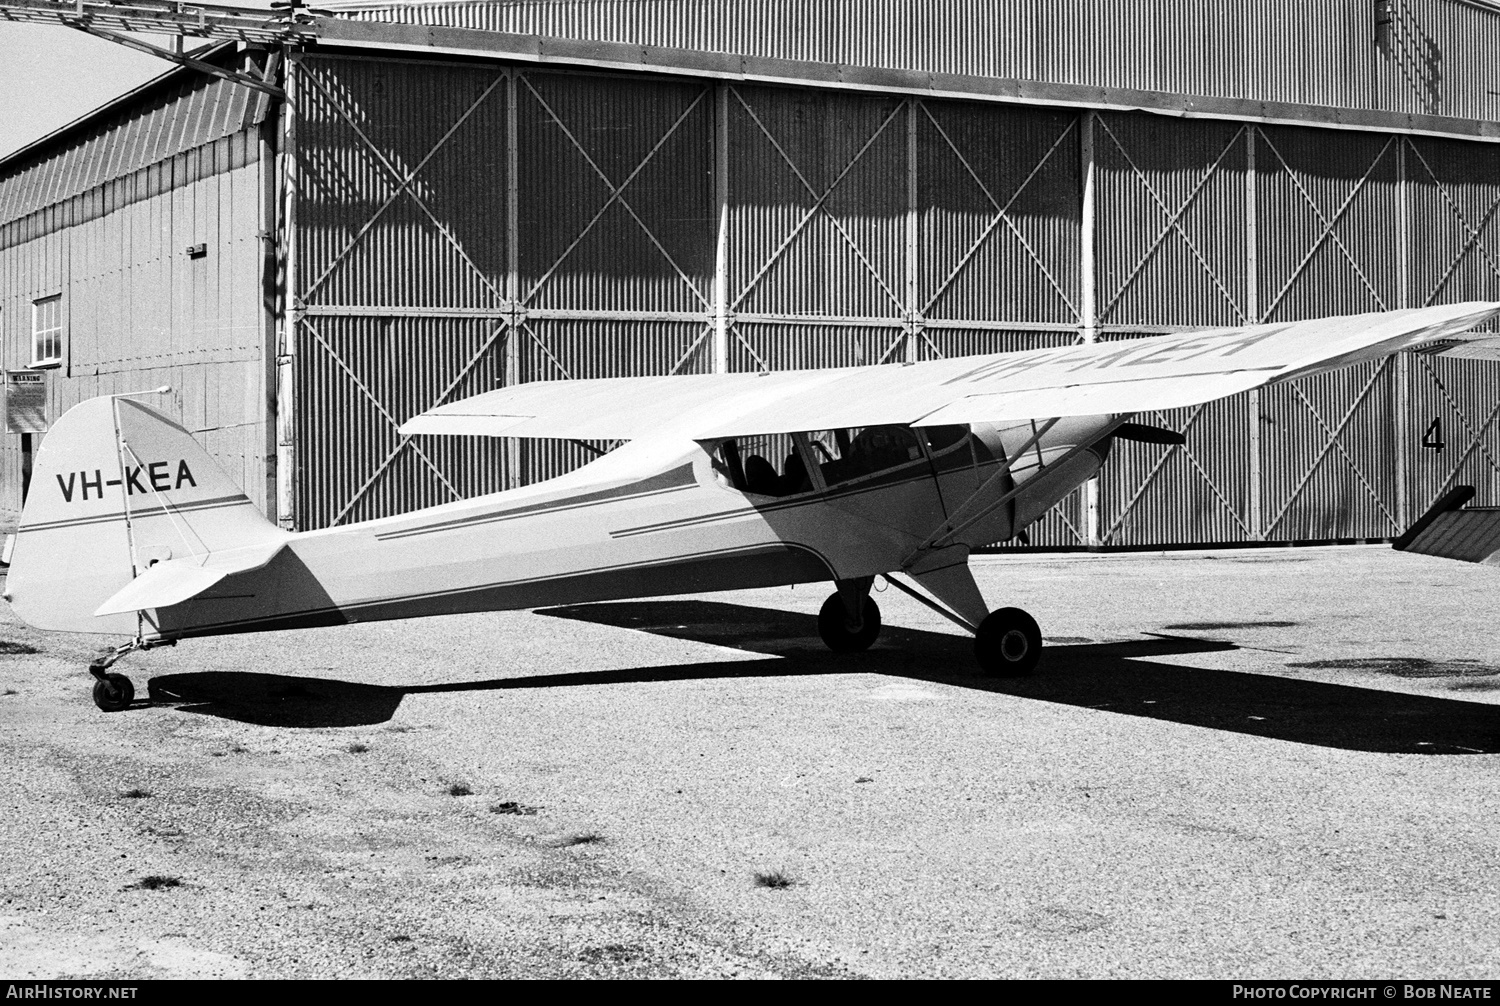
{"points": [[725, 481]]}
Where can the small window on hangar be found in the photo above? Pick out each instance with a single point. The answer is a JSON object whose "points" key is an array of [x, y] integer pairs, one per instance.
{"points": [[47, 331]]}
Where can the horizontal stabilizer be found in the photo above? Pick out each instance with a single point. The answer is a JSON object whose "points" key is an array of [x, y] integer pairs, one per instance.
{"points": [[175, 581], [1449, 531]]}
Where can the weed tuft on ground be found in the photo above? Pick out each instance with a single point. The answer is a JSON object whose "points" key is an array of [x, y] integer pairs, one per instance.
{"points": [[776, 880], [135, 794], [155, 882], [357, 748], [512, 807], [460, 789]]}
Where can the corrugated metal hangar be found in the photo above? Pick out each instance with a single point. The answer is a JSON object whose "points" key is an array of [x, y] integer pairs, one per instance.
{"points": [[436, 199]]}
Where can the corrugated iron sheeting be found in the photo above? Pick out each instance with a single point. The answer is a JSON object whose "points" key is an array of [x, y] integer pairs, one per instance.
{"points": [[196, 111], [799, 347], [366, 236], [973, 162], [1317, 485], [358, 380], [1198, 492], [1463, 448], [653, 247], [1435, 57], [1329, 223], [573, 350], [1170, 242], [817, 203], [946, 343], [1453, 196]]}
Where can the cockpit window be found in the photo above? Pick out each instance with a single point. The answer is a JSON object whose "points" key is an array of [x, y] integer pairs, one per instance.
{"points": [[845, 455], [765, 465], [779, 465]]}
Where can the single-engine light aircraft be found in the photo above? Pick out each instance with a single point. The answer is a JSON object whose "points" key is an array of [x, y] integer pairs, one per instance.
{"points": [[724, 481]]}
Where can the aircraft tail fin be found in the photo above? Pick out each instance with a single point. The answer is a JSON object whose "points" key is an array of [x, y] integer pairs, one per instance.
{"points": [[116, 488]]}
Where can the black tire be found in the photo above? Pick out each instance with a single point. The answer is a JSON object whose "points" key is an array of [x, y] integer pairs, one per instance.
{"points": [[113, 692], [834, 627], [1008, 643]]}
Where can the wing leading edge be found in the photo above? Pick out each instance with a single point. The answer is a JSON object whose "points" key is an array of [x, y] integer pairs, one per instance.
{"points": [[1168, 371]]}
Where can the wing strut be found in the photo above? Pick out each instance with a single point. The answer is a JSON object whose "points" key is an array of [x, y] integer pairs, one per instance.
{"points": [[890, 578], [963, 518]]}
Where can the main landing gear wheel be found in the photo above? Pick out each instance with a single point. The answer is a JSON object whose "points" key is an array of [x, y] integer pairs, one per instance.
{"points": [[839, 634], [1008, 643], [113, 692]]}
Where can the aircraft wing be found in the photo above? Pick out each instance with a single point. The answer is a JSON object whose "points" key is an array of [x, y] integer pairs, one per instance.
{"points": [[1127, 376], [175, 581]]}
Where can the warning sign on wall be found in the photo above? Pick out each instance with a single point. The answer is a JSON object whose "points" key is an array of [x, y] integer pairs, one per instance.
{"points": [[25, 402]]}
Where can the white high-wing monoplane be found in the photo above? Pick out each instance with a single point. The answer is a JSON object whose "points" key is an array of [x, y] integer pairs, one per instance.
{"points": [[725, 481]]}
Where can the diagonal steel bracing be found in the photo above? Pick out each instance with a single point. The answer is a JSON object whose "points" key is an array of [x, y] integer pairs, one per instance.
{"points": [[1174, 221], [616, 194], [1128, 510], [1335, 441], [1002, 215], [818, 206], [1329, 225], [403, 186], [1474, 234], [499, 330], [1476, 434], [374, 400]]}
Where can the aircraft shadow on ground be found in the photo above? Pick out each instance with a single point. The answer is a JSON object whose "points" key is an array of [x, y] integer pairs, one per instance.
{"points": [[1120, 677]]}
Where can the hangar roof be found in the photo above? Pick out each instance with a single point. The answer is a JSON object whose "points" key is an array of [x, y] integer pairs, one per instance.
{"points": [[1419, 57]]}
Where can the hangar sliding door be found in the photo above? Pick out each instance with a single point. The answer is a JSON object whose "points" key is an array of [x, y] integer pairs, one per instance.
{"points": [[1171, 253], [1329, 227], [460, 228]]}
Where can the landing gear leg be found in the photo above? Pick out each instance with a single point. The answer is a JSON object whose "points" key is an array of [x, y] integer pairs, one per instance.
{"points": [[1008, 643], [850, 618], [114, 692]]}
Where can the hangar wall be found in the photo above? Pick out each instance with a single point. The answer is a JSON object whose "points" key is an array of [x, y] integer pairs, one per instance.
{"points": [[105, 219], [464, 226]]}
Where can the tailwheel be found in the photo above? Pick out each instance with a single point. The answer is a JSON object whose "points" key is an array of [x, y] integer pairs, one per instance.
{"points": [[1008, 643], [113, 692], [842, 635]]}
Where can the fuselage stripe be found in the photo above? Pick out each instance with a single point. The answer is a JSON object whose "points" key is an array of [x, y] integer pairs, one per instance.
{"points": [[530, 511], [211, 504]]}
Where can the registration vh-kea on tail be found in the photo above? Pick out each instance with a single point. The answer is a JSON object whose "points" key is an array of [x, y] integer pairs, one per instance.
{"points": [[724, 481]]}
